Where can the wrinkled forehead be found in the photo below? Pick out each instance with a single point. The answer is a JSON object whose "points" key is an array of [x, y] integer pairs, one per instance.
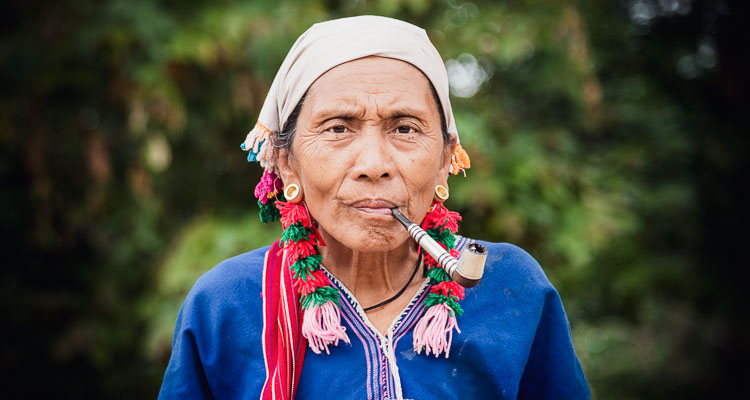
{"points": [[373, 73], [374, 87]]}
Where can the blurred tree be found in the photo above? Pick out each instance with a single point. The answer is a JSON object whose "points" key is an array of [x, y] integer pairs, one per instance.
{"points": [[608, 139]]}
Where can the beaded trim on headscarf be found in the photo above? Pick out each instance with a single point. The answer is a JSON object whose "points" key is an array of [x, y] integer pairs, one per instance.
{"points": [[257, 146]]}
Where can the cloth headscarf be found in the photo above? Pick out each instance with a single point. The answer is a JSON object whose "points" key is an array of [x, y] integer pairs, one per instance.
{"points": [[328, 44]]}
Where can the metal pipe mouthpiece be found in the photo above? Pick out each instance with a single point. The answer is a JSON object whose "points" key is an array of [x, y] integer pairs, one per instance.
{"points": [[466, 272]]}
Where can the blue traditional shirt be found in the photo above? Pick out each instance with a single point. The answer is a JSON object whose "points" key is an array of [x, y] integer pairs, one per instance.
{"points": [[515, 341]]}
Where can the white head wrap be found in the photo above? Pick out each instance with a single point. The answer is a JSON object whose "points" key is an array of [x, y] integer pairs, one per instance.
{"points": [[328, 44]]}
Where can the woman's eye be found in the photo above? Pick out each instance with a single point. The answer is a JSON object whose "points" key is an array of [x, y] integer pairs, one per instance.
{"points": [[404, 129], [338, 129]]}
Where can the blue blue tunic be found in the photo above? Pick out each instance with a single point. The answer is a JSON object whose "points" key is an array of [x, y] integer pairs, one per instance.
{"points": [[515, 342]]}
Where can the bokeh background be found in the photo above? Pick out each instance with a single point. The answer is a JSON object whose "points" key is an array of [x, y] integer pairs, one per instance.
{"points": [[608, 138]]}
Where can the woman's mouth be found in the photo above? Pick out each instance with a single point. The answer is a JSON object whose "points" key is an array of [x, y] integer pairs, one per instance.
{"points": [[374, 206]]}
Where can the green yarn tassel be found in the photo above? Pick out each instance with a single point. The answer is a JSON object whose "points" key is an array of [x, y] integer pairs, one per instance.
{"points": [[304, 267], [320, 296], [438, 275], [450, 301], [295, 232], [442, 236], [268, 212]]}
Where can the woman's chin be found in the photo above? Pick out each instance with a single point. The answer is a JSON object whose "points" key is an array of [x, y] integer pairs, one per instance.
{"points": [[371, 239]]}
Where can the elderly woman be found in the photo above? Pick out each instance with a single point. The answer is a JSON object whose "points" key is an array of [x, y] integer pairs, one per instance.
{"points": [[358, 121]]}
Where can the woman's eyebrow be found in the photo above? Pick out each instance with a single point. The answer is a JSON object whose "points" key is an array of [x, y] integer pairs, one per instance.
{"points": [[338, 112], [354, 112], [404, 112]]}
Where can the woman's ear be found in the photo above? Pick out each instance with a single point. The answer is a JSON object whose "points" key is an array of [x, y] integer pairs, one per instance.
{"points": [[445, 168], [286, 166]]}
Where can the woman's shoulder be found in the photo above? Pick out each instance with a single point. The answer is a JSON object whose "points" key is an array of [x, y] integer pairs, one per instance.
{"points": [[513, 293], [215, 344], [233, 279], [510, 259], [509, 266]]}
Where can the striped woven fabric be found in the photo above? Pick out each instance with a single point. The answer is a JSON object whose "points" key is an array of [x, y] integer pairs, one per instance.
{"points": [[283, 344]]}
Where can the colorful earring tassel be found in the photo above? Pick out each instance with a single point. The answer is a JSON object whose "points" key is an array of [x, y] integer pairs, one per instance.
{"points": [[321, 321], [434, 331], [266, 191]]}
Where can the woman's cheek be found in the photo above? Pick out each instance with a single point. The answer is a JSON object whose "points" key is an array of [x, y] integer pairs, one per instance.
{"points": [[421, 171]]}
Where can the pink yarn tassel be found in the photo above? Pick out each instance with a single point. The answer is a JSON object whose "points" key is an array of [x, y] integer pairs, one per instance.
{"points": [[269, 186], [321, 327], [434, 331]]}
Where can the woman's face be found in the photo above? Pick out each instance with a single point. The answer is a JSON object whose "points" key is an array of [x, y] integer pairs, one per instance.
{"points": [[368, 138]]}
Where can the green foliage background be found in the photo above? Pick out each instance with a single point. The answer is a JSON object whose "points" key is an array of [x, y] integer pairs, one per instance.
{"points": [[595, 145]]}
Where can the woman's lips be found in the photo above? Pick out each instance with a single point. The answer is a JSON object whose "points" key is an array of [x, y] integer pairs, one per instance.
{"points": [[374, 206]]}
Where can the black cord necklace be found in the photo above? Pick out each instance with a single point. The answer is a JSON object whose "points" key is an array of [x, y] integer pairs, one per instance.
{"points": [[400, 292]]}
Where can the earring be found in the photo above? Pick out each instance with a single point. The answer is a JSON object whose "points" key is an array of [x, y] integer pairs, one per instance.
{"points": [[441, 192], [292, 192]]}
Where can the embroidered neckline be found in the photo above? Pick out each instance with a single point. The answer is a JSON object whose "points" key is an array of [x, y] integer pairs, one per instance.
{"points": [[395, 324]]}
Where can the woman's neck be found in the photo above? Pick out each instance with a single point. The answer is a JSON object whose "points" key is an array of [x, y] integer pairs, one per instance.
{"points": [[371, 277]]}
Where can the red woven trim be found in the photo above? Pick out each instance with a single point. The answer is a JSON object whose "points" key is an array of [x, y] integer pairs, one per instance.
{"points": [[283, 344]]}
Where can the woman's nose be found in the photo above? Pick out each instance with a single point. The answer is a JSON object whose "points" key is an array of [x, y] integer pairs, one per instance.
{"points": [[374, 159]]}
